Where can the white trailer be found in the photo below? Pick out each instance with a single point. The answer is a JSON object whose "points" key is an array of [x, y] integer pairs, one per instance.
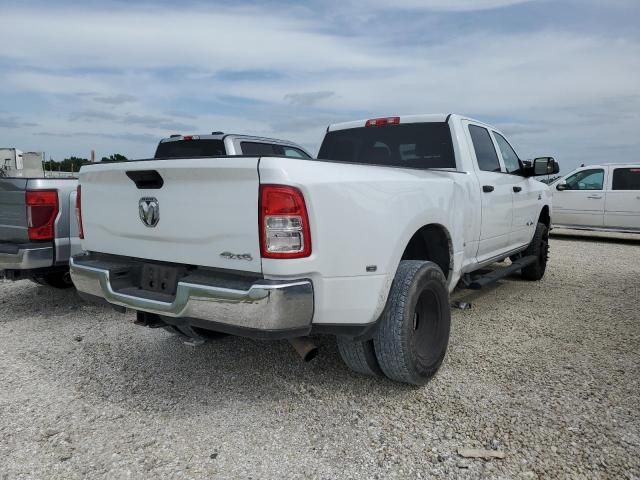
{"points": [[15, 163], [10, 161]]}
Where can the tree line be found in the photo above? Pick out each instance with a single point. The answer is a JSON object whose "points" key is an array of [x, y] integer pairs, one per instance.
{"points": [[73, 164]]}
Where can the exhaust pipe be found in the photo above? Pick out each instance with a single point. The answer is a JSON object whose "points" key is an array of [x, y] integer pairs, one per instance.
{"points": [[305, 348]]}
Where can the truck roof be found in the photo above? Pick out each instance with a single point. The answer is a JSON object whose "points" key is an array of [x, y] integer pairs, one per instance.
{"points": [[420, 118], [611, 164], [222, 136]]}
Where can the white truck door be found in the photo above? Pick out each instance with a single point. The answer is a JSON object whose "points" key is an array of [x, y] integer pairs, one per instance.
{"points": [[525, 195], [496, 193], [581, 203], [622, 206]]}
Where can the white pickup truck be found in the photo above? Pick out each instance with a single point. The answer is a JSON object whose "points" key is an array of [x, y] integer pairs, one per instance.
{"points": [[366, 242], [599, 197]]}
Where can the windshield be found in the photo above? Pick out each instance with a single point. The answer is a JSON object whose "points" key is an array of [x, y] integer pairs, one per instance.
{"points": [[412, 145], [190, 148]]}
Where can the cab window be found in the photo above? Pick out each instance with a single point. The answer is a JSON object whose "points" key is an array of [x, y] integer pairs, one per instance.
{"points": [[271, 149], [511, 159], [626, 179], [586, 180], [294, 152], [485, 151], [409, 145]]}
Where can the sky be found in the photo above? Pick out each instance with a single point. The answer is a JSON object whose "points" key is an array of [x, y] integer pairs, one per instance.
{"points": [[560, 78]]}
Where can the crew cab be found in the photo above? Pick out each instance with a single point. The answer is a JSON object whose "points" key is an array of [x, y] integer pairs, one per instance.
{"points": [[599, 197], [365, 242], [37, 233]]}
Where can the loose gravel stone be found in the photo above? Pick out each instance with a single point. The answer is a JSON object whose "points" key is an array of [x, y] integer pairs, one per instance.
{"points": [[546, 372]]}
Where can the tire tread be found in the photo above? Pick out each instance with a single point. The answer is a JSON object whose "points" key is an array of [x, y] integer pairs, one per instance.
{"points": [[359, 356], [535, 271], [390, 340]]}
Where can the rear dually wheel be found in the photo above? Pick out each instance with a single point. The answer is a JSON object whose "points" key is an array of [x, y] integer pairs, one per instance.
{"points": [[413, 335]]}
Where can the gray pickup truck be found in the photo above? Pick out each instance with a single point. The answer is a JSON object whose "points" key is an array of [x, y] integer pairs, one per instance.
{"points": [[38, 229]]}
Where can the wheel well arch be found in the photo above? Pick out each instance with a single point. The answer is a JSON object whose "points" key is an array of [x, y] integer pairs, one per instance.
{"points": [[545, 217], [431, 242]]}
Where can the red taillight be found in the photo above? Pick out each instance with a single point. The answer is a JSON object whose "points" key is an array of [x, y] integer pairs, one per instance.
{"points": [[377, 122], [79, 212], [284, 223], [42, 210], [191, 137]]}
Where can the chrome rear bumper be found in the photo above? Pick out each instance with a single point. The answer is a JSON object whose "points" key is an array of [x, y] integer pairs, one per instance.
{"points": [[27, 258], [264, 305]]}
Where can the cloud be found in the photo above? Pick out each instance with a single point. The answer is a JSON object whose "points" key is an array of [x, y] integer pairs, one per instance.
{"points": [[14, 122], [515, 129], [307, 99], [559, 88], [118, 99], [150, 121], [92, 115], [154, 38], [449, 5], [9, 123], [133, 137]]}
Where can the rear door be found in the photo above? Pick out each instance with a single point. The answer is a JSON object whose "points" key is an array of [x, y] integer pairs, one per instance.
{"points": [[496, 191], [13, 210], [582, 203], [622, 206], [201, 211]]}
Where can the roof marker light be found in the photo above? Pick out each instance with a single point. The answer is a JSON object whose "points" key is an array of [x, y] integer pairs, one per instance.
{"points": [[377, 122]]}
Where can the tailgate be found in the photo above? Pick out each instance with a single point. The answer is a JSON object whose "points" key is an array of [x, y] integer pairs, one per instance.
{"points": [[207, 211], [13, 210]]}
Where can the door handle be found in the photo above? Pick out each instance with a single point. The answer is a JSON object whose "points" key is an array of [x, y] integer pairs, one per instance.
{"points": [[517, 189], [595, 197], [487, 188]]}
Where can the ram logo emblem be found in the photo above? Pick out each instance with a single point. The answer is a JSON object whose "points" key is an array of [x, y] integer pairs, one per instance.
{"points": [[149, 211]]}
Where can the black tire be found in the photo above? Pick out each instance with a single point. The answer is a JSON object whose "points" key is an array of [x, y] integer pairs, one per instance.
{"points": [[359, 356], [61, 280], [413, 335], [539, 247]]}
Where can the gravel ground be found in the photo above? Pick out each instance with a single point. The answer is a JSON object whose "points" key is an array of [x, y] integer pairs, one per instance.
{"points": [[547, 373]]}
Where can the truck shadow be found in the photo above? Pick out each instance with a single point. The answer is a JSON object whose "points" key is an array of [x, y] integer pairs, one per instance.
{"points": [[161, 372]]}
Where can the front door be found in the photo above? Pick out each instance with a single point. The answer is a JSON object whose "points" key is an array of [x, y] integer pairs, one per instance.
{"points": [[582, 203], [526, 195]]}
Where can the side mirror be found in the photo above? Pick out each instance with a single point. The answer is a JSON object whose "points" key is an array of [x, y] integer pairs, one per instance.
{"points": [[562, 186], [545, 166]]}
